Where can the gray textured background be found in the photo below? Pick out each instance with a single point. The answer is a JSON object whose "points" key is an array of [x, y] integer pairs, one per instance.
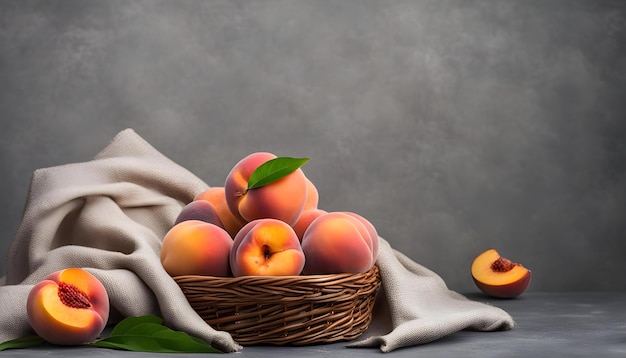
{"points": [[454, 126]]}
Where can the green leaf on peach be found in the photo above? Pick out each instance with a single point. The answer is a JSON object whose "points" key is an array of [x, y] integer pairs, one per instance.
{"points": [[273, 170]]}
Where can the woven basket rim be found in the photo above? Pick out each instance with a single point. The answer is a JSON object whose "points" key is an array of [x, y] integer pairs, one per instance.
{"points": [[316, 277]]}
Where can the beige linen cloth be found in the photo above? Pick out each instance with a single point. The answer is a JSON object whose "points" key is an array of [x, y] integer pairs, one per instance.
{"points": [[108, 215]]}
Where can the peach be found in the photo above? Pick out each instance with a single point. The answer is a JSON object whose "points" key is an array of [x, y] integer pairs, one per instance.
{"points": [[306, 218], [337, 242], [312, 196], [68, 307], [215, 195], [199, 210], [499, 277], [195, 247], [371, 229], [266, 247], [282, 199]]}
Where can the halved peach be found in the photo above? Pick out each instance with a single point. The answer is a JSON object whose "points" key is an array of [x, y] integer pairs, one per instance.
{"points": [[68, 307], [499, 277]]}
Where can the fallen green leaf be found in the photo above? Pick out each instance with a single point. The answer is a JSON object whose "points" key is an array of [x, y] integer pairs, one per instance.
{"points": [[23, 342], [147, 334], [139, 334], [129, 323], [162, 342], [273, 170]]}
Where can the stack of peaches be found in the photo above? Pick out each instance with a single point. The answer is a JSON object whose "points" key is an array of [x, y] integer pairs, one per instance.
{"points": [[268, 229]]}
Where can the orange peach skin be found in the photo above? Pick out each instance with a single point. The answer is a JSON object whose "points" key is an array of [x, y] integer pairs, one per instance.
{"points": [[371, 229], [215, 195], [306, 218], [505, 291], [68, 307], [283, 199], [195, 247], [199, 210], [312, 196], [266, 247], [337, 243]]}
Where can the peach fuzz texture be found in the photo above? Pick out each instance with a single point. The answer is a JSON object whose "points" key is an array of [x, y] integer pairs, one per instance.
{"points": [[199, 210], [371, 229], [312, 196], [215, 195], [305, 220], [337, 243], [195, 247]]}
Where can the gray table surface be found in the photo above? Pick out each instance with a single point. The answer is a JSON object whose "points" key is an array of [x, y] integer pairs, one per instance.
{"points": [[581, 324]]}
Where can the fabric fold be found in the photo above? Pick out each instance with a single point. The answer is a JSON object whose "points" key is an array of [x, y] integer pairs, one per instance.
{"points": [[415, 306]]}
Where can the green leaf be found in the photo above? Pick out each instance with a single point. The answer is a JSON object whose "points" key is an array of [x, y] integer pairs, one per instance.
{"points": [[146, 329], [24, 342], [139, 334], [273, 170], [162, 342], [130, 322], [147, 334]]}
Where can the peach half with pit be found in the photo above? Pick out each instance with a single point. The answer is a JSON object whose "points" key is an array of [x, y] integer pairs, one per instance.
{"points": [[499, 277], [195, 247], [283, 199], [266, 247], [68, 307]]}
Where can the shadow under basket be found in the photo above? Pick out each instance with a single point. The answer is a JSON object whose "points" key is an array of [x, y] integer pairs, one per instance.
{"points": [[285, 310]]}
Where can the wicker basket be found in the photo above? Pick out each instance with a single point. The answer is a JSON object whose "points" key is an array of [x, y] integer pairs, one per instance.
{"points": [[285, 310]]}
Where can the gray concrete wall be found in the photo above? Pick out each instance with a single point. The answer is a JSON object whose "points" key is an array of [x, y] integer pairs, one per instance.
{"points": [[454, 126]]}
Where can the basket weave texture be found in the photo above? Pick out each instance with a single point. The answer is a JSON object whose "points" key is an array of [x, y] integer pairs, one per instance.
{"points": [[285, 310]]}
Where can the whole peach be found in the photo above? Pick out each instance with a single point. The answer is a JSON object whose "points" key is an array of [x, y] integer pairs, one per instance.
{"points": [[337, 242], [195, 247], [282, 199], [312, 196], [68, 307], [215, 195], [306, 218], [266, 247], [199, 210], [371, 229]]}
